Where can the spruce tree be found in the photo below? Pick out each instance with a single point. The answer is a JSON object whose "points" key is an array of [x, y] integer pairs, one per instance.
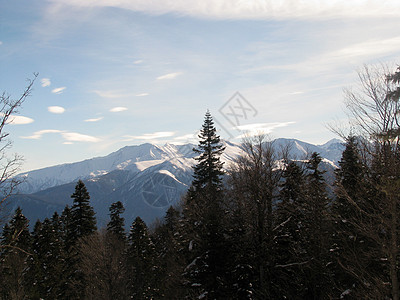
{"points": [[116, 224], [168, 255], [46, 262], [15, 249], [140, 255], [347, 241], [289, 249], [208, 170], [83, 221], [317, 231], [204, 217], [80, 222]]}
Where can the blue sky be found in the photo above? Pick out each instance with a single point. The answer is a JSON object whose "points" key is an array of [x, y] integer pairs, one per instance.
{"points": [[123, 72]]}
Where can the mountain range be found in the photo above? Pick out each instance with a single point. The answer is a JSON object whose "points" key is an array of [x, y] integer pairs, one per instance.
{"points": [[146, 178]]}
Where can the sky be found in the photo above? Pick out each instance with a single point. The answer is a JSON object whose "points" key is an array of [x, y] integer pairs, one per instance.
{"points": [[114, 73]]}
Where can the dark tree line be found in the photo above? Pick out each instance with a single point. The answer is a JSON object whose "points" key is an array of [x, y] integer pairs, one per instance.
{"points": [[269, 227]]}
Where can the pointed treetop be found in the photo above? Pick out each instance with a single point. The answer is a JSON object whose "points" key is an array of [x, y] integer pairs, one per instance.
{"points": [[208, 170]]}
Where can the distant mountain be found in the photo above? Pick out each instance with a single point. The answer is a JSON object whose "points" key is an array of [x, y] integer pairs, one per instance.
{"points": [[147, 178]]}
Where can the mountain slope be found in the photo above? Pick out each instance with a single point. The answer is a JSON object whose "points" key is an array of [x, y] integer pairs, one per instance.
{"points": [[146, 178]]}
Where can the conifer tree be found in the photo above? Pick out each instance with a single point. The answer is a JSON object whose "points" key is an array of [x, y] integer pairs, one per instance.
{"points": [[116, 224], [317, 231], [289, 242], [208, 170], [204, 215], [45, 266], [80, 223], [15, 249], [169, 259], [83, 221], [140, 255], [348, 243]]}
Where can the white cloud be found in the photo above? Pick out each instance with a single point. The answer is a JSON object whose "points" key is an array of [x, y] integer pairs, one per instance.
{"points": [[94, 119], [139, 61], [59, 90], [254, 9], [169, 76], [118, 109], [371, 48], [142, 94], [150, 136], [1, 43], [19, 120], [77, 137], [260, 128], [45, 82], [187, 138], [69, 137], [38, 134], [111, 94], [56, 109]]}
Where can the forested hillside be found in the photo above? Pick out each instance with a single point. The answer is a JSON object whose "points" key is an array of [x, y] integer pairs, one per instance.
{"points": [[270, 227]]}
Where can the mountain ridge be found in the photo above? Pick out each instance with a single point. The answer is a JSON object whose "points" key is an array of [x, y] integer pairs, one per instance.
{"points": [[146, 178]]}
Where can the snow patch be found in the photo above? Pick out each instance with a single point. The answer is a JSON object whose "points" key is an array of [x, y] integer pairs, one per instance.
{"points": [[166, 172], [330, 163], [143, 165]]}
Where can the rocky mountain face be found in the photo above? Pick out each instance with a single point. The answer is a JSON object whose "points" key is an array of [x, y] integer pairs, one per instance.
{"points": [[147, 179]]}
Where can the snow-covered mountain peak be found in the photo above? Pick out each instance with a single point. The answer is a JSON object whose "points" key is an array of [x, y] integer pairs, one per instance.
{"points": [[136, 159], [333, 142]]}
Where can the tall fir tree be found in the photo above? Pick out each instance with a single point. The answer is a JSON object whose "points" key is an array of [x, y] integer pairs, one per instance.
{"points": [[140, 256], [204, 215], [80, 222], [349, 244], [83, 221], [15, 247], [117, 223], [208, 170], [317, 231], [168, 255], [289, 242], [45, 266]]}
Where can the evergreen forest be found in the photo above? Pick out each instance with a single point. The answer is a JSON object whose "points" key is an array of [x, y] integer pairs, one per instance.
{"points": [[267, 227]]}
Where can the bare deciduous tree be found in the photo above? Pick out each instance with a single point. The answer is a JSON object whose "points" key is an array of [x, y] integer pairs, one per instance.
{"points": [[10, 164], [374, 109]]}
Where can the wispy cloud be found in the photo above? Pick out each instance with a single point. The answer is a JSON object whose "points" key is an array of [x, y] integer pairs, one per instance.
{"points": [[142, 94], [255, 9], [94, 119], [1, 43], [56, 109], [187, 138], [78, 137], [19, 120], [38, 134], [111, 94], [118, 109], [69, 137], [139, 61], [150, 136], [59, 90], [260, 128], [45, 82], [369, 48], [169, 76]]}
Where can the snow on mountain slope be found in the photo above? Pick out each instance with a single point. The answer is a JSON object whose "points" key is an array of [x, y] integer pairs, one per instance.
{"points": [[138, 158], [146, 178], [132, 158]]}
